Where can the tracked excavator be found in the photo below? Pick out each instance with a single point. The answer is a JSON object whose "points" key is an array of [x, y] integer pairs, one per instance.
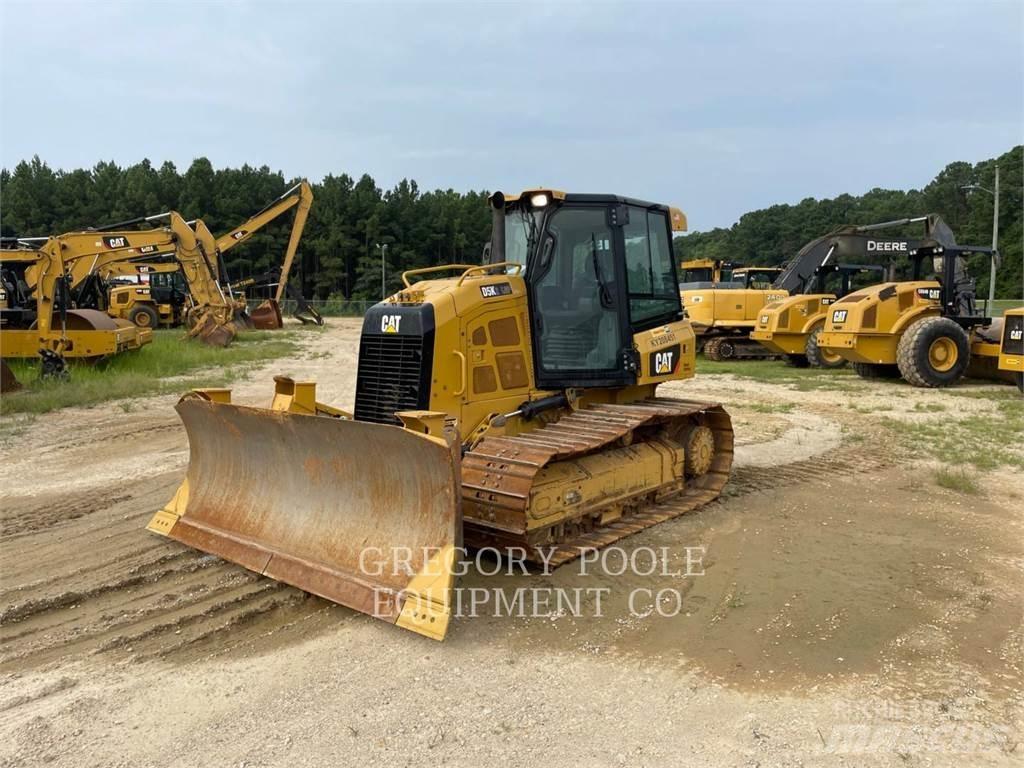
{"points": [[49, 277], [920, 329], [41, 321], [511, 404], [267, 315], [792, 326]]}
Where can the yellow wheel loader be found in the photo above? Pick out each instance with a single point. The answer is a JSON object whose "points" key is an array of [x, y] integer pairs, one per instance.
{"points": [[920, 330], [511, 405]]}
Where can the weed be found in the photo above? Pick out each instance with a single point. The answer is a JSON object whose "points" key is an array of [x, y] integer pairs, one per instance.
{"points": [[957, 480]]}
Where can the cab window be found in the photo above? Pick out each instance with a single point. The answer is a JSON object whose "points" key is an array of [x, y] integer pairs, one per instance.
{"points": [[650, 276]]}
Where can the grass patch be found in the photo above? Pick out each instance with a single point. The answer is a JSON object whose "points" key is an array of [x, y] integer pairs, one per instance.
{"points": [[778, 372], [156, 368], [929, 407], [983, 441], [957, 480], [772, 407]]}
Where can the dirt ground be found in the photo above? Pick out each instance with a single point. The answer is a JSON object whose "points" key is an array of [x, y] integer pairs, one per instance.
{"points": [[850, 612]]}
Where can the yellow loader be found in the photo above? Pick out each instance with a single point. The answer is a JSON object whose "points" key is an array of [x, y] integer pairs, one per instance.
{"points": [[512, 404]]}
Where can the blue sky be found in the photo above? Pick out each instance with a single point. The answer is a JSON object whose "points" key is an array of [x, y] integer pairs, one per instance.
{"points": [[719, 108]]}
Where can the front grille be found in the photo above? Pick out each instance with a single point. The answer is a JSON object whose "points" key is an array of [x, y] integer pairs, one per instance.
{"points": [[391, 377], [1013, 335]]}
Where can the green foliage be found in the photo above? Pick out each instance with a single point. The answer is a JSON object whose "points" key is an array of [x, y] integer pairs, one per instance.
{"points": [[772, 235], [145, 372], [341, 251]]}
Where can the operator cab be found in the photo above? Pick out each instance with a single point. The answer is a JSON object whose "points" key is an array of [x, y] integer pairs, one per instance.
{"points": [[598, 269]]}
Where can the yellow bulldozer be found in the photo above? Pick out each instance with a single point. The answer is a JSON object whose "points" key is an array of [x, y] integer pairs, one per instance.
{"points": [[919, 329], [511, 404]]}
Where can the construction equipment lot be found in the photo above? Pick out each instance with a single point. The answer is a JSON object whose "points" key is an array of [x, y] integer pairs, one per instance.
{"points": [[860, 602]]}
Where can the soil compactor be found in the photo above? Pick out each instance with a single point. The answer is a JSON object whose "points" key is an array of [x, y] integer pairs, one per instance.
{"points": [[511, 405], [792, 326]]}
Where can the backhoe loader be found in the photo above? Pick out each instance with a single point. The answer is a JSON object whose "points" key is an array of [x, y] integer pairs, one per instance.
{"points": [[792, 326], [511, 405], [921, 329]]}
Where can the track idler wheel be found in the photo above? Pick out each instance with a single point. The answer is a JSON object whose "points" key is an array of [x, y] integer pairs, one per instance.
{"points": [[699, 447]]}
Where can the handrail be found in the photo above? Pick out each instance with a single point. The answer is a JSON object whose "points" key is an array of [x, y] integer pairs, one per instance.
{"points": [[469, 269], [425, 270], [505, 264], [464, 374]]}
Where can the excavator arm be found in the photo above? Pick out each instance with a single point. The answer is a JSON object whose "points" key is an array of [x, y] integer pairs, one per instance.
{"points": [[299, 197]]}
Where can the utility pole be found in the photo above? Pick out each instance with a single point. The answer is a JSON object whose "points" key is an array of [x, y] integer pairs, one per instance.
{"points": [[383, 270], [995, 245], [995, 235]]}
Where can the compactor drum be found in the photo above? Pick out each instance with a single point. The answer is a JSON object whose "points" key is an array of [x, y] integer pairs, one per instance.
{"points": [[513, 404]]}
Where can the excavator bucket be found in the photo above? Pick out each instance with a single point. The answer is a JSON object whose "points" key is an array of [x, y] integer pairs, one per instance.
{"points": [[211, 331], [365, 515], [267, 316], [8, 381]]}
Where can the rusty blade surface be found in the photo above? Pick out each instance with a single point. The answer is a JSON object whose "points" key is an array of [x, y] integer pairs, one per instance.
{"points": [[346, 510], [267, 316]]}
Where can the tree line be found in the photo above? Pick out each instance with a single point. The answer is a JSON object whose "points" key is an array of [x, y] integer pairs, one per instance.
{"points": [[354, 224]]}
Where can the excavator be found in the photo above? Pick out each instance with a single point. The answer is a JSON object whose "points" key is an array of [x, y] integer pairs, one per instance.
{"points": [[792, 326], [163, 301], [511, 404], [704, 273], [920, 329], [722, 313], [49, 277], [267, 315], [41, 321]]}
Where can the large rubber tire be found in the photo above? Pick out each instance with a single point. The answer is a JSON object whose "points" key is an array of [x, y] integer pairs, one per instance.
{"points": [[872, 371], [933, 352], [817, 356], [144, 316]]}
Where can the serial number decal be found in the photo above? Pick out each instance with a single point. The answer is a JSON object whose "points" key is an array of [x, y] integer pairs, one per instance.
{"points": [[493, 291]]}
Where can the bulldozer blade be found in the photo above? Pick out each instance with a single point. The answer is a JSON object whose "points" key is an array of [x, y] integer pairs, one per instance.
{"points": [[365, 515], [267, 316]]}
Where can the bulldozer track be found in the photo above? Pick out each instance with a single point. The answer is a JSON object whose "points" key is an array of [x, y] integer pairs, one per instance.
{"points": [[498, 474]]}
